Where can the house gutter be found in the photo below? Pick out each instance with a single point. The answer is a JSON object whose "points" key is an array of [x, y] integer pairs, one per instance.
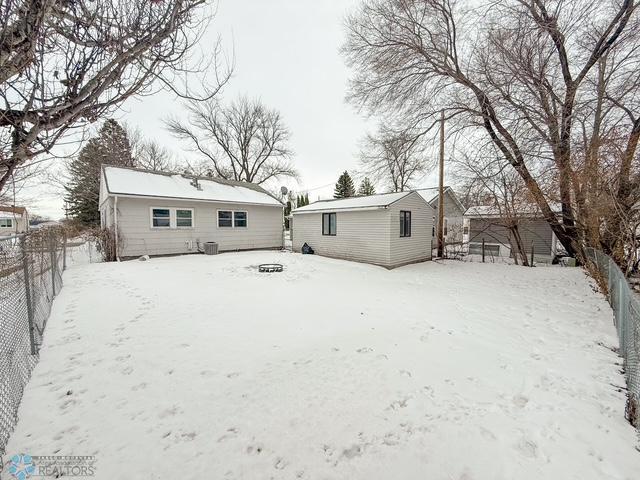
{"points": [[332, 210], [115, 222]]}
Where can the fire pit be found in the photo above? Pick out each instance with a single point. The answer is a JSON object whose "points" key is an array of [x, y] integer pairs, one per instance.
{"points": [[270, 267]]}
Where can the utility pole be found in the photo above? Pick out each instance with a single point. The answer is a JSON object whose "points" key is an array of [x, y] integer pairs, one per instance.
{"points": [[441, 191]]}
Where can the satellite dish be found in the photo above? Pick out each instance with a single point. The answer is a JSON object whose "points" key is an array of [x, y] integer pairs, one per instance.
{"points": [[284, 190]]}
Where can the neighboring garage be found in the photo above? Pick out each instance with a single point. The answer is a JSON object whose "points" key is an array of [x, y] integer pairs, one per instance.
{"points": [[488, 224], [390, 229]]}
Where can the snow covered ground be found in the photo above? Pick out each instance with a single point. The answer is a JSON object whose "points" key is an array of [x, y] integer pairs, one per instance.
{"points": [[200, 367]]}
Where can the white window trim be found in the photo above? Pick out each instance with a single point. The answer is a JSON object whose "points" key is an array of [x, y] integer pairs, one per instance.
{"points": [[4, 220], [193, 218], [246, 218], [233, 218], [172, 218]]}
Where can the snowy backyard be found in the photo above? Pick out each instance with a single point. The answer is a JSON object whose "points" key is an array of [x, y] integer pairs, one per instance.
{"points": [[200, 367]]}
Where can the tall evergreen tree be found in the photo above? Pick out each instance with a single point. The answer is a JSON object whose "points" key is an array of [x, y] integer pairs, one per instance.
{"points": [[302, 200], [344, 187], [111, 147], [366, 187]]}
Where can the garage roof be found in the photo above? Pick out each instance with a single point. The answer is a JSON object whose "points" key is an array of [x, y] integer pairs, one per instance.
{"points": [[353, 203]]}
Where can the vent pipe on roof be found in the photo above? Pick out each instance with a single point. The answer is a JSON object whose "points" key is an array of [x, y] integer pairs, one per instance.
{"points": [[195, 183]]}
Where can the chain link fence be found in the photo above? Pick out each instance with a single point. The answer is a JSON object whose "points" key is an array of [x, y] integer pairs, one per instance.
{"points": [[31, 267], [626, 308]]}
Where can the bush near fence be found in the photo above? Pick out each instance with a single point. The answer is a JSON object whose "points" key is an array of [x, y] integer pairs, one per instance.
{"points": [[626, 309], [31, 267]]}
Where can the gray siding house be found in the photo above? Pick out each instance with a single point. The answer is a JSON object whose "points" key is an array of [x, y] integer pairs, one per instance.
{"points": [[488, 224], [389, 230], [157, 213]]}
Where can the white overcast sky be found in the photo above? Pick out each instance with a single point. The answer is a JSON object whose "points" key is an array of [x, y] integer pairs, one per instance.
{"points": [[287, 54]]}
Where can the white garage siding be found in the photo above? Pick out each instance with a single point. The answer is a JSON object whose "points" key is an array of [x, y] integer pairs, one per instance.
{"points": [[263, 231], [361, 236], [417, 247], [370, 235]]}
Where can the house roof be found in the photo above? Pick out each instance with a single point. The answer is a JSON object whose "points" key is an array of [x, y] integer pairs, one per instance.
{"points": [[12, 210], [144, 183], [493, 211], [430, 195], [353, 203]]}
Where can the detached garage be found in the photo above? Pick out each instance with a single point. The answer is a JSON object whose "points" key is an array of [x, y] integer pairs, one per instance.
{"points": [[389, 230]]}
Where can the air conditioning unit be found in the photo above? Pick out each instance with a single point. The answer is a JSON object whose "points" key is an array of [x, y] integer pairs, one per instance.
{"points": [[210, 248]]}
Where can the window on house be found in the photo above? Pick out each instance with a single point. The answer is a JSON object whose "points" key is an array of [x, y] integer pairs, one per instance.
{"points": [[161, 218], [184, 218], [405, 223], [6, 222], [465, 230], [446, 227], [328, 224], [225, 218], [433, 227], [240, 219]]}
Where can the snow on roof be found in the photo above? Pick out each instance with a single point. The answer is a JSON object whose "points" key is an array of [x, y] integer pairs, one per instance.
{"points": [[127, 181], [429, 194], [353, 203], [10, 211], [528, 210]]}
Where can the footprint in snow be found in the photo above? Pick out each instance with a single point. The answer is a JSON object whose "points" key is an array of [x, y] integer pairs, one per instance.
{"points": [[233, 375], [364, 350]]}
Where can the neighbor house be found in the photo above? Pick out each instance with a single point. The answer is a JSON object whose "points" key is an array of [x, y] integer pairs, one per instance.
{"points": [[157, 213], [453, 213], [389, 229], [490, 224], [13, 220]]}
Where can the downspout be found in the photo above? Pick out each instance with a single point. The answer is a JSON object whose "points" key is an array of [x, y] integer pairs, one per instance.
{"points": [[115, 223]]}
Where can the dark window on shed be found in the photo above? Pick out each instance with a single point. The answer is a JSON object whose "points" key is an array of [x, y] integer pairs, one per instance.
{"points": [[405, 223], [328, 224]]}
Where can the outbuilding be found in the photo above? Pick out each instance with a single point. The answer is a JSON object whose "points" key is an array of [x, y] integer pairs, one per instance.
{"points": [[390, 230], [13, 220], [493, 227], [155, 213]]}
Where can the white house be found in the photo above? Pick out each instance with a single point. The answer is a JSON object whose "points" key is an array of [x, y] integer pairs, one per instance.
{"points": [[157, 213], [389, 229], [453, 213], [13, 220]]}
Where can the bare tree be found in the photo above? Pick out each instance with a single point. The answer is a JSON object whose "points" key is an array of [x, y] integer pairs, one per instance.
{"points": [[526, 72], [244, 140], [154, 156], [393, 158], [65, 63], [490, 182]]}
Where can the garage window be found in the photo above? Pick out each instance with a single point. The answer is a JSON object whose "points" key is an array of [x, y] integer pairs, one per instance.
{"points": [[405, 223], [329, 224]]}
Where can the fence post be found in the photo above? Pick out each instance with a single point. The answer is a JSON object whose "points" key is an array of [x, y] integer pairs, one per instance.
{"points": [[54, 266], [28, 293], [64, 251], [483, 250], [533, 249]]}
